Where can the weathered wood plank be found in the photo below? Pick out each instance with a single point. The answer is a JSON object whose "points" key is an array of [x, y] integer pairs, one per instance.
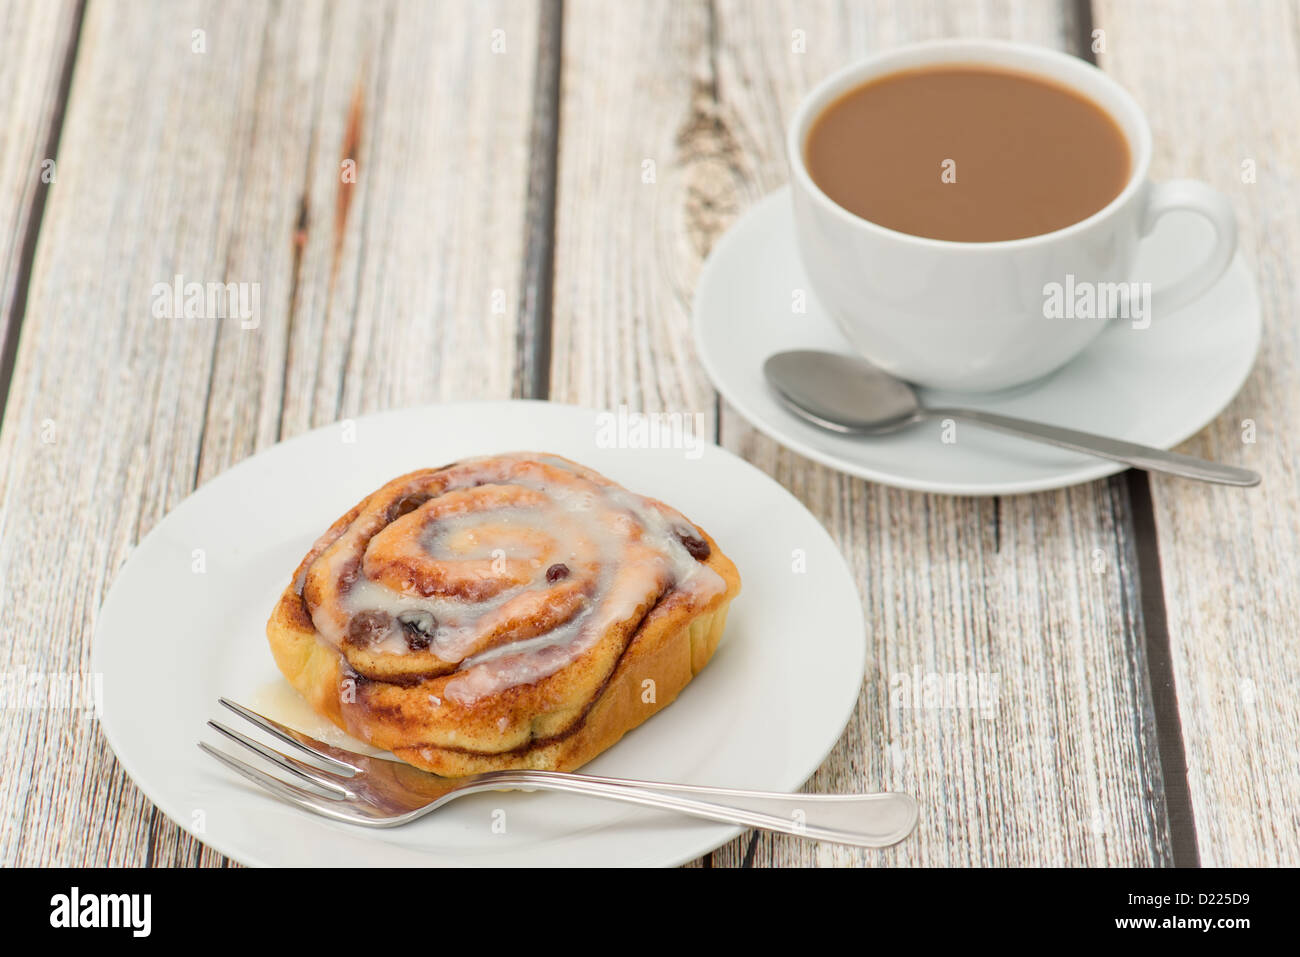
{"points": [[1221, 84], [227, 165], [36, 47], [1037, 589]]}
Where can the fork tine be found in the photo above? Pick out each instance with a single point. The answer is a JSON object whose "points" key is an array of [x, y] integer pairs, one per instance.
{"points": [[299, 797], [337, 757], [322, 779]]}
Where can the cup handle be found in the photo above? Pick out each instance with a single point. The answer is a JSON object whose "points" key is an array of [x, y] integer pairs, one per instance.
{"points": [[1195, 196]]}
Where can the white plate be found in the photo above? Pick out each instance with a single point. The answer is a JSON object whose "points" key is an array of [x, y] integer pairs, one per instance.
{"points": [[1157, 386], [763, 714]]}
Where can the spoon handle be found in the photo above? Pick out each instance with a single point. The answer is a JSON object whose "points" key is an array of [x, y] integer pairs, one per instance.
{"points": [[1130, 453]]}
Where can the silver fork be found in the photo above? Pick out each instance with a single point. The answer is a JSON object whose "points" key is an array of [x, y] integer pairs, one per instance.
{"points": [[377, 792]]}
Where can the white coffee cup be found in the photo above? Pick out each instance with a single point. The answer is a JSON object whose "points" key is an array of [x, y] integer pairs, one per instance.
{"points": [[976, 316]]}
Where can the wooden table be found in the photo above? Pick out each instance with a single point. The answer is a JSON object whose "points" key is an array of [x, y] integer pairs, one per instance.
{"points": [[448, 200]]}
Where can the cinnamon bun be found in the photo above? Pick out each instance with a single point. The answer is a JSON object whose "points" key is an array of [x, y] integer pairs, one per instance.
{"points": [[514, 611]]}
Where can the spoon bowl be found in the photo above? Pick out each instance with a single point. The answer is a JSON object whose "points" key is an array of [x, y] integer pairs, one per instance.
{"points": [[842, 393]]}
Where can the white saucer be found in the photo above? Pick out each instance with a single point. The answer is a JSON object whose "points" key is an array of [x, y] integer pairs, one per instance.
{"points": [[1157, 386], [170, 640]]}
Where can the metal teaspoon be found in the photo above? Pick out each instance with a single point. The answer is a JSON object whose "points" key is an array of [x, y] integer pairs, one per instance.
{"points": [[848, 394]]}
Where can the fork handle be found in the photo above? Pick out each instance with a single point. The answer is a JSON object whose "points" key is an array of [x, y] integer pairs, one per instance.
{"points": [[860, 820]]}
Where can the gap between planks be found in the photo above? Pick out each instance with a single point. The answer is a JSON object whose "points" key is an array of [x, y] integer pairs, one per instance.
{"points": [[1155, 627], [533, 329]]}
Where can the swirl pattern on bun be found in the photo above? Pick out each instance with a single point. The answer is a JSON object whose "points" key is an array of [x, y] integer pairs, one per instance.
{"points": [[517, 610]]}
